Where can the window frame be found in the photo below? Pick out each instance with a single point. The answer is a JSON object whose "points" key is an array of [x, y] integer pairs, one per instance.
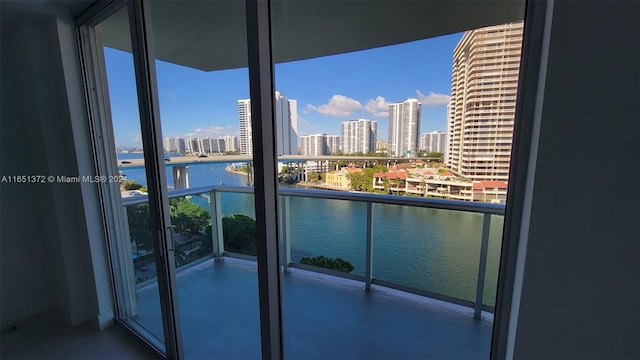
{"points": [[261, 68]]}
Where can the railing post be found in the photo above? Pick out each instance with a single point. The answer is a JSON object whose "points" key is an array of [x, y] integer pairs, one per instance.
{"points": [[130, 269], [482, 267], [216, 225], [369, 251], [285, 233]]}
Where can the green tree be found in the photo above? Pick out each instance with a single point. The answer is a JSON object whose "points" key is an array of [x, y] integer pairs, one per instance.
{"points": [[360, 182], [315, 176], [139, 219], [387, 184], [239, 232], [131, 185], [188, 218], [396, 185], [363, 181], [322, 261]]}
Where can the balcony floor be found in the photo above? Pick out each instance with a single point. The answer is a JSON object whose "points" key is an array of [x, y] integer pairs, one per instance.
{"points": [[324, 318]]}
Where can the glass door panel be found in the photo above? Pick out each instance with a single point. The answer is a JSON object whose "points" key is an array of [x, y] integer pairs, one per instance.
{"points": [[400, 110], [203, 86], [139, 301]]}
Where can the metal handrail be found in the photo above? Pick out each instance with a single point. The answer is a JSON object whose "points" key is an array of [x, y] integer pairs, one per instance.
{"points": [[369, 199], [457, 205]]}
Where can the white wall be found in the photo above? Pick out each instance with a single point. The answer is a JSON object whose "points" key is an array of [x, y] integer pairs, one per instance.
{"points": [[581, 294], [45, 239], [25, 281]]}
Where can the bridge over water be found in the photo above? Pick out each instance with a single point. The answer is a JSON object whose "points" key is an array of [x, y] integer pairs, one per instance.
{"points": [[210, 159], [180, 164]]}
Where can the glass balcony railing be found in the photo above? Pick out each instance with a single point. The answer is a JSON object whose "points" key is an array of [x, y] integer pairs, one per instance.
{"points": [[442, 249]]}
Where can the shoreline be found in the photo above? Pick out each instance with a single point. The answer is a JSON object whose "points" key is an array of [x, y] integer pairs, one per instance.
{"points": [[231, 170], [322, 186]]}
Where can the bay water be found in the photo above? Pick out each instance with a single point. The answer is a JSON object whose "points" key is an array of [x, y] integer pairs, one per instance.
{"points": [[429, 249]]}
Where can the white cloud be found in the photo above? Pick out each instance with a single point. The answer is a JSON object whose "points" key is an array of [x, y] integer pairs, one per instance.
{"points": [[212, 132], [304, 126], [378, 107], [379, 103], [338, 105], [433, 99]]}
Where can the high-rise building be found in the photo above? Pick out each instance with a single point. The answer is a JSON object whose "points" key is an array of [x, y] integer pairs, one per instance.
{"points": [[319, 144], [218, 146], [484, 83], [446, 140], [244, 119], [312, 145], [293, 111], [193, 145], [333, 144], [204, 145], [287, 141], [381, 146], [181, 146], [433, 142], [286, 118], [404, 128], [169, 144], [230, 143], [359, 136]]}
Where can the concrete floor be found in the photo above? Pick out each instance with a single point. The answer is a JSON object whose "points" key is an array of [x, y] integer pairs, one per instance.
{"points": [[46, 337], [324, 318]]}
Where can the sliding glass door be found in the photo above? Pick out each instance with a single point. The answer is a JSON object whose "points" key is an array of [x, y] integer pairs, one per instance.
{"points": [[366, 192], [203, 86], [123, 161], [165, 102]]}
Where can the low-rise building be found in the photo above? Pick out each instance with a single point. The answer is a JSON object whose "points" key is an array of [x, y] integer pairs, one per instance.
{"points": [[340, 178], [441, 185], [394, 180], [447, 186], [490, 191]]}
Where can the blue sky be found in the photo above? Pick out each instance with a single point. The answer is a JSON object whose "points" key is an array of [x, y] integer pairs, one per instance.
{"points": [[329, 90]]}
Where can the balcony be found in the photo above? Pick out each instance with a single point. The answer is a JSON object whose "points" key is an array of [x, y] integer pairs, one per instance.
{"points": [[431, 265]]}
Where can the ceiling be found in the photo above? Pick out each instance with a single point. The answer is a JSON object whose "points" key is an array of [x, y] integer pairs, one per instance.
{"points": [[211, 35]]}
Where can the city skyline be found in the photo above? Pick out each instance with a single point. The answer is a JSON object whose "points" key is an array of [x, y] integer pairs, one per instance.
{"points": [[329, 90]]}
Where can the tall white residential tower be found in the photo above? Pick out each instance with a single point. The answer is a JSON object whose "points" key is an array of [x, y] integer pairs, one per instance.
{"points": [[244, 119], [359, 136], [286, 125], [404, 128], [433, 142], [484, 83]]}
